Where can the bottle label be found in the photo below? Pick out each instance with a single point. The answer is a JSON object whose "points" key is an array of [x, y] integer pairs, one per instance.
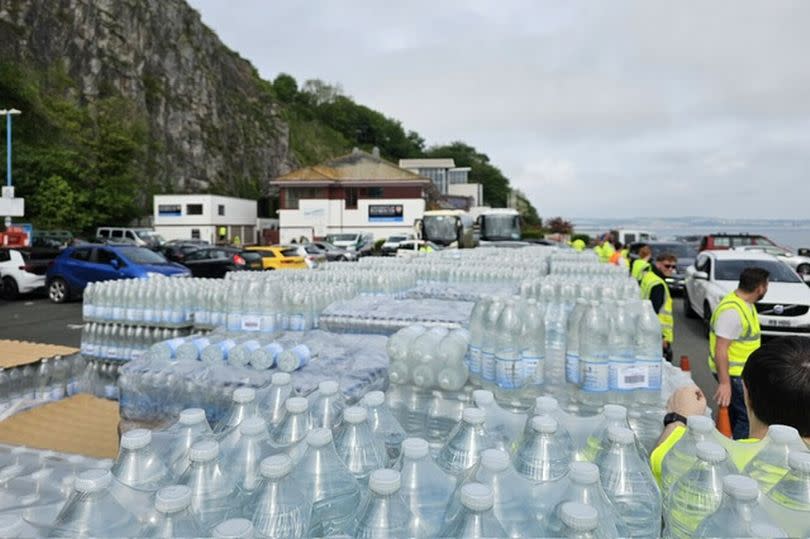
{"points": [[488, 366], [530, 368], [251, 322], [268, 323], [297, 322], [58, 392], [508, 373], [149, 315], [654, 372], [595, 375], [201, 317], [624, 376], [572, 369], [73, 387], [87, 310], [234, 321], [111, 391], [474, 359]]}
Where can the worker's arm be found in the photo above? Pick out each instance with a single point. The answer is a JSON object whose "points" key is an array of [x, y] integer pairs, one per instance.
{"points": [[686, 401], [723, 394], [657, 297]]}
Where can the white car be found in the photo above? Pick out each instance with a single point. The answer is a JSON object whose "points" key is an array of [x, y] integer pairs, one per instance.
{"points": [[785, 309], [392, 243], [411, 248], [19, 274], [800, 264]]}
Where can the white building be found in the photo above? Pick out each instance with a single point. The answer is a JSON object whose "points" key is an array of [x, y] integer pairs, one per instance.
{"points": [[442, 172], [355, 193], [212, 218]]}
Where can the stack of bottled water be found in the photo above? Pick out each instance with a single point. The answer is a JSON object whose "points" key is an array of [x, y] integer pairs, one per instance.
{"points": [[50, 379], [123, 342], [157, 301], [429, 358], [385, 316]]}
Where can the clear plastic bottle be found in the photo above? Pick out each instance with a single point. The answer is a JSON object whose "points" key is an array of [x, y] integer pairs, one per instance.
{"points": [[490, 342], [594, 363], [629, 483], [331, 488], [771, 463], [477, 335], [572, 368], [581, 521], [678, 460], [598, 442], [234, 528], [295, 358], [244, 459], [426, 488], [508, 366], [697, 493], [356, 444], [13, 525], [384, 425], [544, 454], [175, 442], [502, 425], [623, 376], [384, 513], [476, 520], [241, 353], [739, 510], [173, 516], [326, 407], [788, 502], [266, 357], [290, 433], [648, 355], [243, 405], [281, 509], [465, 442], [212, 489], [138, 465], [533, 344], [272, 408]]}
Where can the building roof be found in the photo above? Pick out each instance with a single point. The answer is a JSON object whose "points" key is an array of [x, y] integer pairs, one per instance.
{"points": [[427, 163], [358, 166]]}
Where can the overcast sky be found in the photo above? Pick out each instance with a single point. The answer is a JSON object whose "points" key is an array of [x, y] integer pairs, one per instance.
{"points": [[592, 108]]}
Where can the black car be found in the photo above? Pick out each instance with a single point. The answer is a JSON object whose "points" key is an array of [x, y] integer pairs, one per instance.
{"points": [[177, 252], [217, 261], [333, 252]]}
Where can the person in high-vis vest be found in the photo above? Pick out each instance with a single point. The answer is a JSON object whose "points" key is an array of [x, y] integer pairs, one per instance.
{"points": [[777, 380], [642, 263], [578, 245], [654, 287], [607, 249], [734, 334], [616, 258]]}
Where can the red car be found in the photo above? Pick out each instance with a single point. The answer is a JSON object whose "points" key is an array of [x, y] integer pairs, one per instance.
{"points": [[719, 242]]}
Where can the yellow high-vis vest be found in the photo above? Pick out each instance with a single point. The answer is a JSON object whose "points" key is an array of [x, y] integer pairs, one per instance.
{"points": [[639, 267], [744, 345], [649, 281]]}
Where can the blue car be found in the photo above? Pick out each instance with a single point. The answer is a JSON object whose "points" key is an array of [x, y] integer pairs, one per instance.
{"points": [[70, 272]]}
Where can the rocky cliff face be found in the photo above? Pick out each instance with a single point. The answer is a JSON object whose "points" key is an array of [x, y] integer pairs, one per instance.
{"points": [[213, 123]]}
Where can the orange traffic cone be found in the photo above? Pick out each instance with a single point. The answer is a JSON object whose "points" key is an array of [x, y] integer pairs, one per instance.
{"points": [[685, 364], [724, 422]]}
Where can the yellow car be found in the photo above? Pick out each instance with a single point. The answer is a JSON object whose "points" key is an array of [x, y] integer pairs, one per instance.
{"points": [[276, 257]]}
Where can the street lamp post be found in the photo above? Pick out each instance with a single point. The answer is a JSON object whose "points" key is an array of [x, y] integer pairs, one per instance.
{"points": [[8, 113]]}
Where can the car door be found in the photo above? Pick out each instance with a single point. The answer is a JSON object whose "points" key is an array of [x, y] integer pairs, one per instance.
{"points": [[104, 265], [75, 268], [199, 263], [698, 295]]}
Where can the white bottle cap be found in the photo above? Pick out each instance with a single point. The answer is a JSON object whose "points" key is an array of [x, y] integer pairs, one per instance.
{"points": [[244, 394], [782, 434], [136, 439], [93, 480], [276, 467], [204, 451], [544, 424], [615, 412], [319, 437], [192, 416], [384, 481], [473, 416], [355, 414], [483, 397], [620, 435], [583, 473], [495, 460], [296, 405], [374, 398], [415, 448], [741, 487], [75, 459], [253, 426], [700, 423], [710, 452], [235, 528], [281, 379], [545, 405], [10, 525], [328, 387], [799, 461], [173, 499], [579, 516], [477, 497]]}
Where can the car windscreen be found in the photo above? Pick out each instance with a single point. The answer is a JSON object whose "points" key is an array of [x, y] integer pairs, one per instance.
{"points": [[681, 250], [397, 239], [139, 255], [729, 270], [289, 252], [440, 228], [342, 237], [251, 256]]}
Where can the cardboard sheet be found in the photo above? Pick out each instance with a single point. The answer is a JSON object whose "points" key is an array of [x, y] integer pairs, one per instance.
{"points": [[16, 353]]}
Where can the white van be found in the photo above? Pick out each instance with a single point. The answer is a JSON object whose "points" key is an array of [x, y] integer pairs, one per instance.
{"points": [[143, 237]]}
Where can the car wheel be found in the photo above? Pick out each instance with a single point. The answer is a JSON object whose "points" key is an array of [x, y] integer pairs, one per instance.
{"points": [[707, 317], [10, 289], [58, 291], [344, 258], [803, 270], [688, 311]]}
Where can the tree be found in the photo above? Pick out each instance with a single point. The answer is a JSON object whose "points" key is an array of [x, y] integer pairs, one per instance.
{"points": [[320, 92], [558, 225], [286, 87], [57, 205]]}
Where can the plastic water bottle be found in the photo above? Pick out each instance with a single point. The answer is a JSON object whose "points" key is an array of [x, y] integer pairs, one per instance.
{"points": [[173, 514], [623, 377], [91, 510], [43, 381], [533, 344], [384, 425], [508, 367], [399, 343], [683, 454], [502, 425], [243, 405], [13, 525], [476, 519], [739, 511], [192, 348], [593, 347], [771, 463], [266, 357], [426, 488], [234, 528], [327, 405], [294, 427], [556, 320], [138, 465], [788, 502], [356, 445], [273, 406], [166, 350], [281, 508], [465, 442], [330, 487], [581, 521], [648, 352], [241, 354], [212, 489], [244, 459], [190, 428], [572, 368], [490, 341], [544, 454], [629, 484], [477, 335], [697, 493], [384, 513], [295, 358], [598, 442]]}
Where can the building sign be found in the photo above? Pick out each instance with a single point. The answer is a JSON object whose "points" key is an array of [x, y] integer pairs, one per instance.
{"points": [[385, 213], [170, 210]]}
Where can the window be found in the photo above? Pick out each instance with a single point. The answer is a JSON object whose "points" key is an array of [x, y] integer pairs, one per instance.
{"points": [[730, 270], [81, 254], [375, 192], [195, 233], [130, 234], [221, 209], [351, 198], [292, 195], [268, 254], [194, 209], [722, 242], [104, 233], [142, 255], [103, 256], [4, 255], [629, 238], [117, 233]]}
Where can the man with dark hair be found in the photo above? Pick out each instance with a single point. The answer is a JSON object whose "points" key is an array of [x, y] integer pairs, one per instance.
{"points": [[734, 335], [776, 386], [654, 288]]}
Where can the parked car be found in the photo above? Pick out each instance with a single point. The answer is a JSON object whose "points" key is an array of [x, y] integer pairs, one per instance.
{"points": [[333, 252], [215, 262], [177, 252], [413, 247], [275, 257], [785, 309], [312, 254], [357, 243], [799, 263], [70, 272], [686, 253], [389, 248], [719, 242], [142, 237], [23, 270]]}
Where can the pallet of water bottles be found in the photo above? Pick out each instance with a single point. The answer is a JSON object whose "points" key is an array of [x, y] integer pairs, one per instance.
{"points": [[112, 341]]}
